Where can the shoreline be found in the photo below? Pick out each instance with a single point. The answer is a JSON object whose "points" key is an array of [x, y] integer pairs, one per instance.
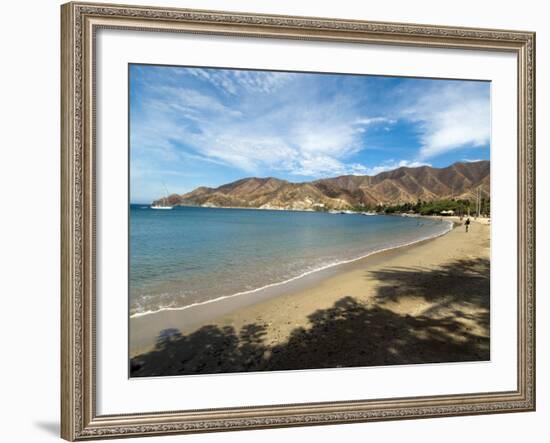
{"points": [[424, 303], [450, 227], [329, 211], [145, 328]]}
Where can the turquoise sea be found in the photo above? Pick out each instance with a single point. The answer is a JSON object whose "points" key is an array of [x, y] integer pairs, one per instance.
{"points": [[192, 255]]}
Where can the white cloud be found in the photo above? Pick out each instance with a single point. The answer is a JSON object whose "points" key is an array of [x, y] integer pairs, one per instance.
{"points": [[314, 166], [375, 120], [218, 78], [451, 116], [231, 81], [290, 136], [390, 165], [191, 101], [247, 152], [317, 165]]}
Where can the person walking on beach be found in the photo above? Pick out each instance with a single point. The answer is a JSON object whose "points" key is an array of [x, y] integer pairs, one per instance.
{"points": [[467, 224]]}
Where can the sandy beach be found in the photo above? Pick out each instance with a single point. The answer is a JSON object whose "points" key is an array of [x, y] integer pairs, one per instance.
{"points": [[425, 303]]}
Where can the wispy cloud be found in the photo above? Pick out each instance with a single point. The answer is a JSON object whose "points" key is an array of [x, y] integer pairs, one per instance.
{"points": [[285, 133], [189, 101], [451, 115], [375, 120], [234, 81], [390, 165]]}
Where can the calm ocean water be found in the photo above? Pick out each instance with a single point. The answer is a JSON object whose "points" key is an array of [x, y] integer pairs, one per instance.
{"points": [[191, 255]]}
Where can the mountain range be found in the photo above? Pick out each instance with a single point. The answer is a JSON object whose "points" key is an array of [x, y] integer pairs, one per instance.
{"points": [[402, 185]]}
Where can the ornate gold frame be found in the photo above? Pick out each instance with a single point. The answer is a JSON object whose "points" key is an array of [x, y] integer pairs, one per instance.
{"points": [[80, 21]]}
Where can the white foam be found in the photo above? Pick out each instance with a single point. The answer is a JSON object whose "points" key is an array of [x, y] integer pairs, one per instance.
{"points": [[304, 274]]}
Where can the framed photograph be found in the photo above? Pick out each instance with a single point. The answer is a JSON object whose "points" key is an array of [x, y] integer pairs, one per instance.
{"points": [[282, 221]]}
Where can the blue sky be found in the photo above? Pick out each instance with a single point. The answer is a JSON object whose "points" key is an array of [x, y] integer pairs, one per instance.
{"points": [[193, 127]]}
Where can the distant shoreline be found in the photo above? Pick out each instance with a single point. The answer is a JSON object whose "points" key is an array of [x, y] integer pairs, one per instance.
{"points": [[331, 211], [232, 207], [450, 218], [249, 208]]}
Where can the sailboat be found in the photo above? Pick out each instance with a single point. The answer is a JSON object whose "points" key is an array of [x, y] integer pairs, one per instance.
{"points": [[163, 202]]}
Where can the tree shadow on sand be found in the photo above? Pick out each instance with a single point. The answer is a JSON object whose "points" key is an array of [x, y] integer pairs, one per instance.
{"points": [[454, 328], [463, 282]]}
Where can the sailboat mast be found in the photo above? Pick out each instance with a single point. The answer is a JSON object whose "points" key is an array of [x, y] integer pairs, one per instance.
{"points": [[166, 194], [163, 202]]}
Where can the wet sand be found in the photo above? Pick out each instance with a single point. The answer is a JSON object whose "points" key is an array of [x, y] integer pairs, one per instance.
{"points": [[424, 303]]}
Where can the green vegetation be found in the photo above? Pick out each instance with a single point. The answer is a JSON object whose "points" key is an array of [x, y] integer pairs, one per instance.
{"points": [[434, 207], [437, 207]]}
